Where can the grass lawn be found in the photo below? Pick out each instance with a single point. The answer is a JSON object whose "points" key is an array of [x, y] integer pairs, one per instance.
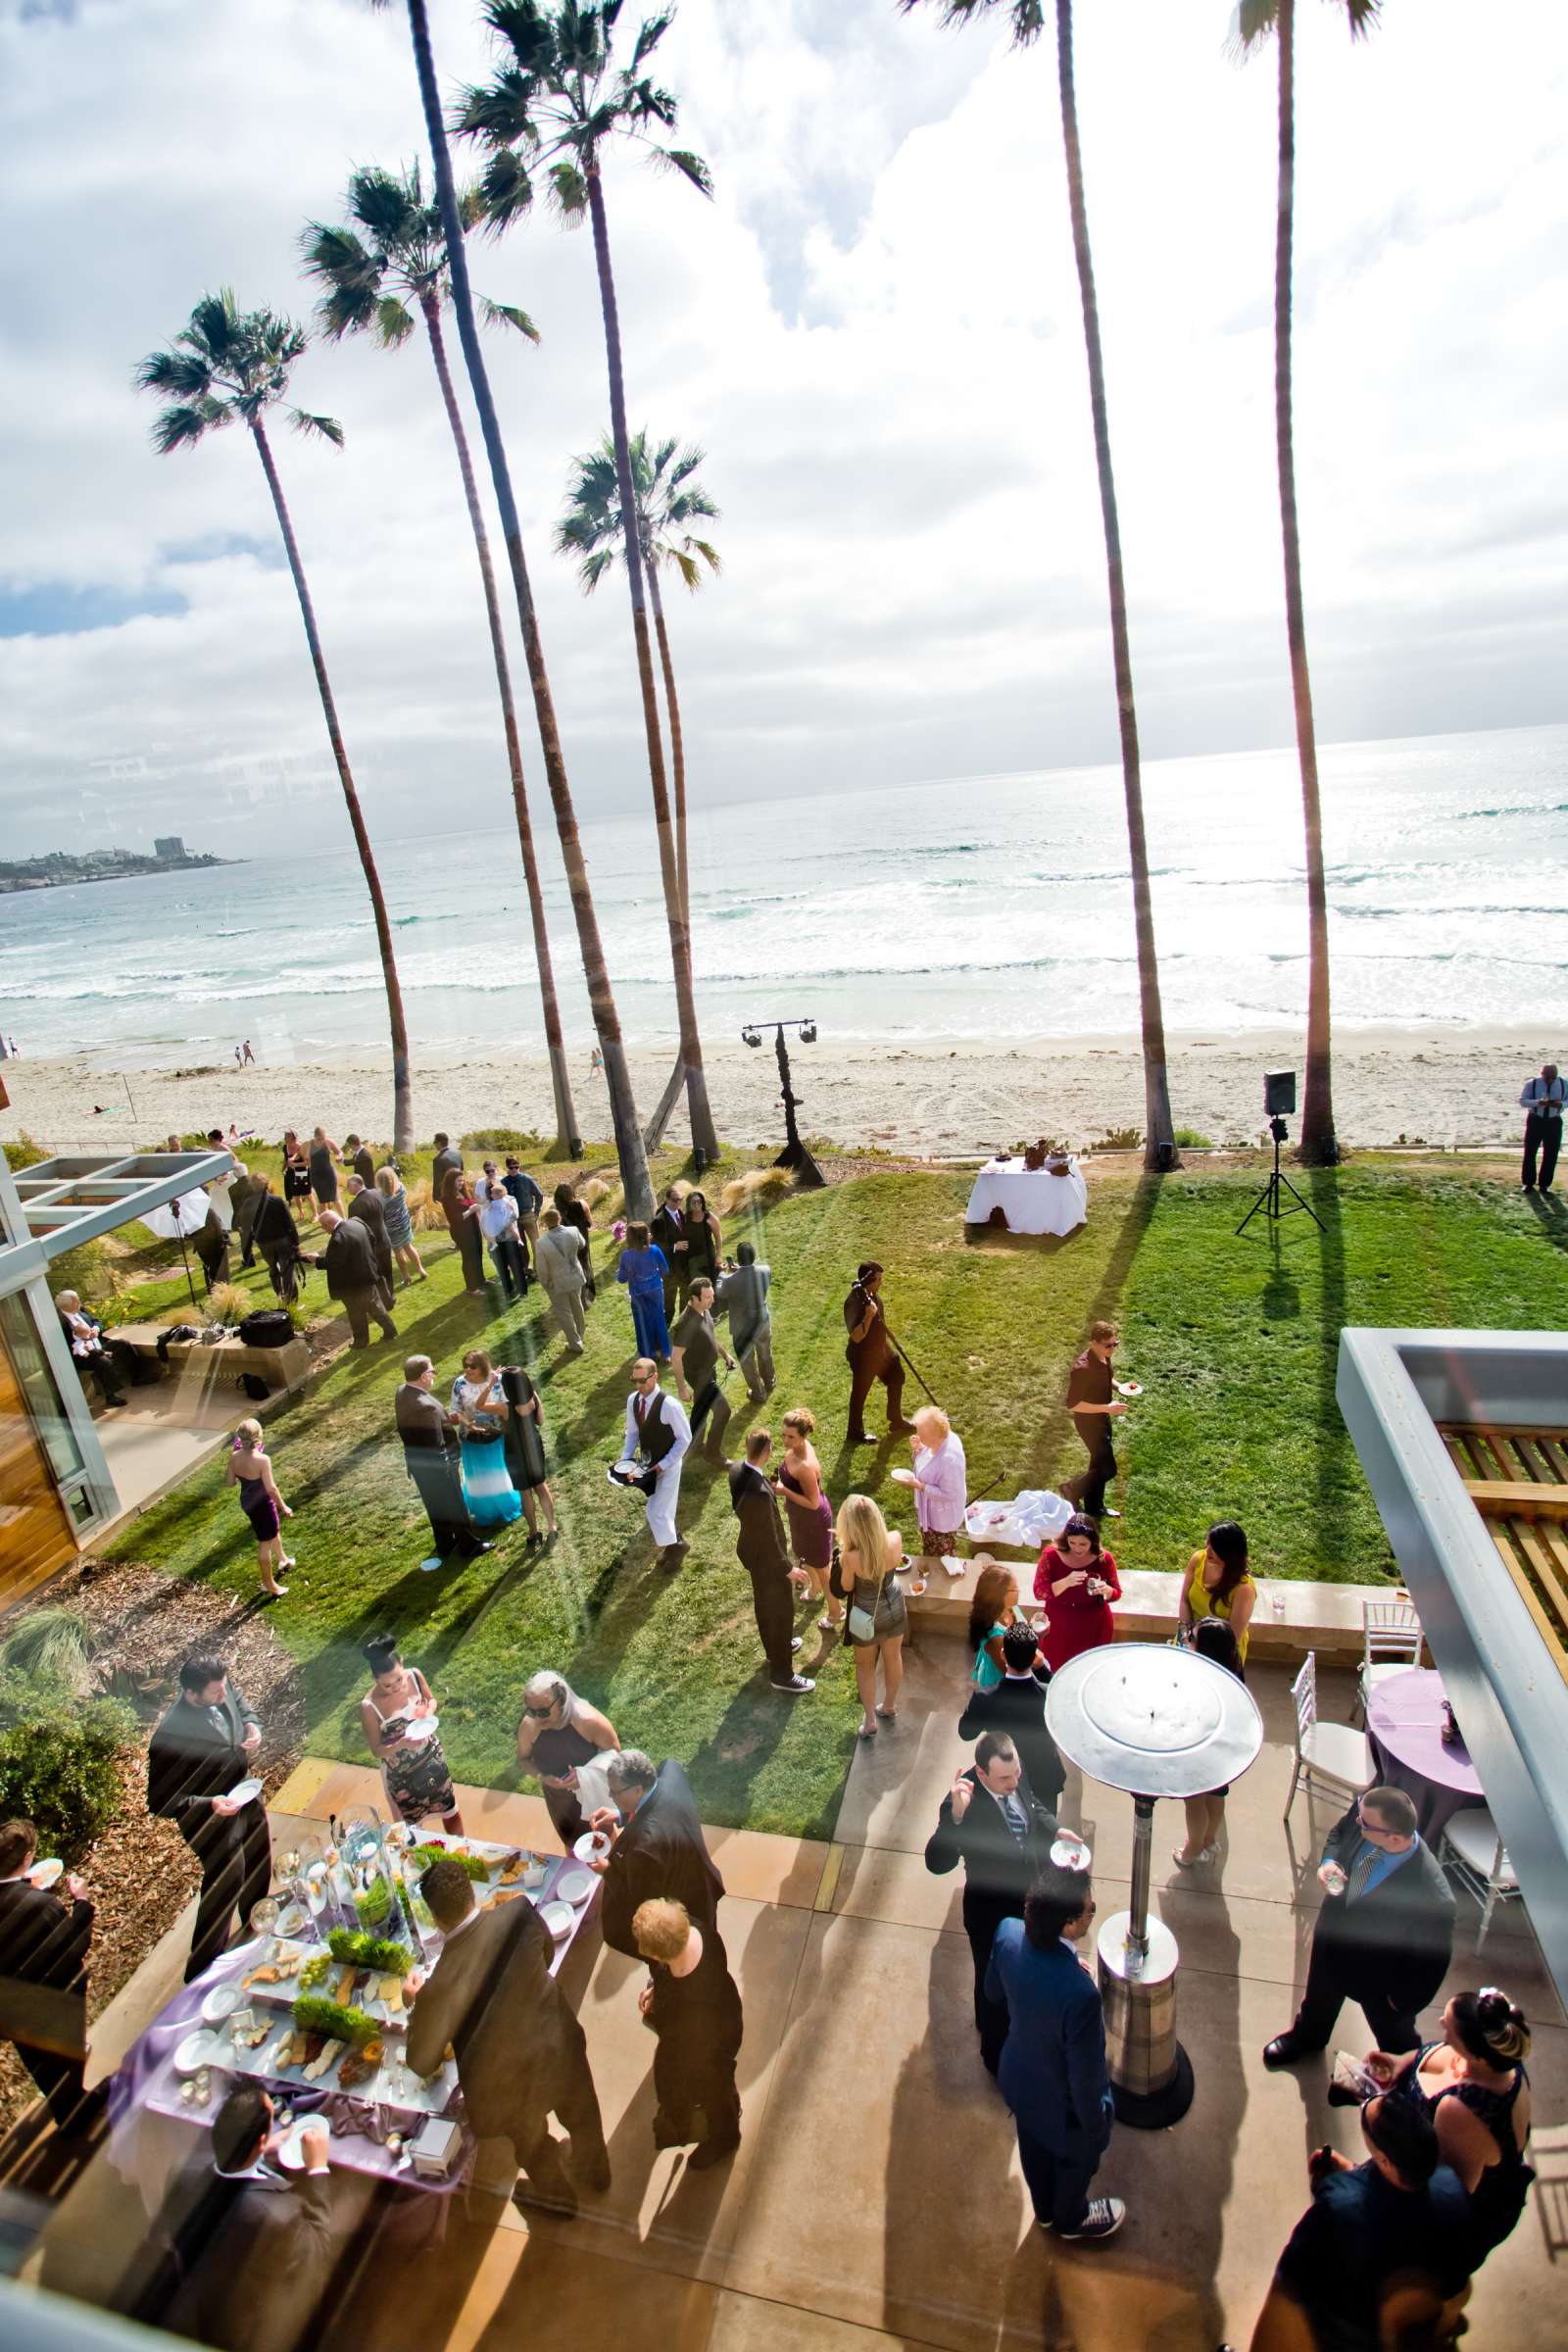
{"points": [[1234, 1341]]}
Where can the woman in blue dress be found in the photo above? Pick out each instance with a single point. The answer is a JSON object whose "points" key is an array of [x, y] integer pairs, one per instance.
{"points": [[479, 1408], [643, 1268]]}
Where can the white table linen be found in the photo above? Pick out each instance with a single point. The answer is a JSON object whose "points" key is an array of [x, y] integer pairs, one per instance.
{"points": [[1032, 1200]]}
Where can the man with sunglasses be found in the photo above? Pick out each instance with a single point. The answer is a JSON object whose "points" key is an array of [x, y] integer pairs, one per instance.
{"points": [[659, 1435], [1093, 1404], [1384, 1936]]}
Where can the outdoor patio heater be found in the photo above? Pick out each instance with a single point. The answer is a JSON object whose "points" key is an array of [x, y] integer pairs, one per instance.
{"points": [[1158, 1722]]}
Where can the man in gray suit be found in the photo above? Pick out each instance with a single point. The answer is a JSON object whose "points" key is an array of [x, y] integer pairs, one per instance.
{"points": [[521, 2055]]}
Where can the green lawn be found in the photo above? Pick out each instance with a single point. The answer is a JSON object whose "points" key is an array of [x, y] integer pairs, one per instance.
{"points": [[1234, 1341]]}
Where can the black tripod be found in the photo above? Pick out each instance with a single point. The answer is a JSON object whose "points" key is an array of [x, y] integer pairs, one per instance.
{"points": [[1268, 1199]]}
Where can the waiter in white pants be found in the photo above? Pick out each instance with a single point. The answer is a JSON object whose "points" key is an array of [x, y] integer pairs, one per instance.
{"points": [[658, 1432]]}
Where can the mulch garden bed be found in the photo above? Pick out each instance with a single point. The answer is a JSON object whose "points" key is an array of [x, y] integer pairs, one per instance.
{"points": [[140, 1874]]}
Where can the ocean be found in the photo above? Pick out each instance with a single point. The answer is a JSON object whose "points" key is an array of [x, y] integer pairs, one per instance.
{"points": [[989, 907]]}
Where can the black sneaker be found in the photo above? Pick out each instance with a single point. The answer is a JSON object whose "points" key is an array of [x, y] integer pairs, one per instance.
{"points": [[1104, 2219], [796, 1687]]}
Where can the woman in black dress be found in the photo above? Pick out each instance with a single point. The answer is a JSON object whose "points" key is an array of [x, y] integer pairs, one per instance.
{"points": [[703, 1244], [693, 2005], [324, 1158], [523, 1437], [564, 1741], [574, 1212], [296, 1177]]}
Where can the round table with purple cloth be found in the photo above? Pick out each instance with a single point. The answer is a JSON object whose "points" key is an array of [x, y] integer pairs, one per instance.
{"points": [[1404, 1722]]}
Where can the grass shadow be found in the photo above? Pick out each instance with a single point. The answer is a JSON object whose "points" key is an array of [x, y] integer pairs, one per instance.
{"points": [[1056, 1432], [1551, 1216], [1331, 1443]]}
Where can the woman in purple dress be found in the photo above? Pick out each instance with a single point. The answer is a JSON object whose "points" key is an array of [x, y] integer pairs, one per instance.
{"points": [[263, 1506], [810, 1514]]}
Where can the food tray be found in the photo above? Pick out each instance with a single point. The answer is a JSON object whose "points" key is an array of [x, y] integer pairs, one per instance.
{"points": [[388, 2087]]}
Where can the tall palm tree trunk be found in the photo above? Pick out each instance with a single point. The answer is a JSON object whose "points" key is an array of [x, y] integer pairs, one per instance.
{"points": [[704, 1139], [402, 1086], [567, 1133], [653, 1133], [1319, 1145], [636, 1183], [1159, 1151]]}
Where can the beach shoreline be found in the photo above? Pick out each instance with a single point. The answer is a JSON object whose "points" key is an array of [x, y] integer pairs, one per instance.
{"points": [[1432, 1085]]}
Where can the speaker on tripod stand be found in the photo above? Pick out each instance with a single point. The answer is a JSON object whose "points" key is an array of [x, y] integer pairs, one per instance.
{"points": [[1279, 1104]]}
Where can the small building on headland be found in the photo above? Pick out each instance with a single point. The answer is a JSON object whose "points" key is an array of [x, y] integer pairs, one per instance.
{"points": [[1464, 1436]]}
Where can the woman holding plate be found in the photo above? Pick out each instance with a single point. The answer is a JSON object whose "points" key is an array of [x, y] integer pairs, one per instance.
{"points": [[481, 1409], [397, 1715], [1077, 1581]]}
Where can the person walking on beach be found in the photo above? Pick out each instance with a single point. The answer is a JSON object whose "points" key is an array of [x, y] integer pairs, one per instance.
{"points": [[263, 1506], [1093, 1404], [1542, 1102], [399, 1225], [561, 1272], [872, 1356], [247, 1056]]}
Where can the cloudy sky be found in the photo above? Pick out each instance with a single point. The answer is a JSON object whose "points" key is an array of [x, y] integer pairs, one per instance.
{"points": [[873, 330]]}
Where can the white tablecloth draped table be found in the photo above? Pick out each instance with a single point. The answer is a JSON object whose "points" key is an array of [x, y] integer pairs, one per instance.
{"points": [[1032, 1200]]}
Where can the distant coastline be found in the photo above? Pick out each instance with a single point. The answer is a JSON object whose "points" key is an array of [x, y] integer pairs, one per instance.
{"points": [[59, 870]]}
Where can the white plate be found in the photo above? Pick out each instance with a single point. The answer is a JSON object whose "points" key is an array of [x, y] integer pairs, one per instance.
{"points": [[222, 2002], [575, 1884], [245, 1793], [901, 1478], [420, 1727], [290, 2155], [197, 2051], [592, 1846], [559, 1917], [48, 1873], [1130, 1387], [291, 1920]]}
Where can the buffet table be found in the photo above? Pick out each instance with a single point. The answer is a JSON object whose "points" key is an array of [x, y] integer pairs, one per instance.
{"points": [[1032, 1200], [170, 2084]]}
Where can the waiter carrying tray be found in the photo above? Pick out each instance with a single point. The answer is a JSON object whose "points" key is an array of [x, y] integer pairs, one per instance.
{"points": [[659, 1434]]}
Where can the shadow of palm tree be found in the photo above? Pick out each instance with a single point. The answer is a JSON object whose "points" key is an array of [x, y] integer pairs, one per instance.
{"points": [[1551, 1216], [1055, 1431]]}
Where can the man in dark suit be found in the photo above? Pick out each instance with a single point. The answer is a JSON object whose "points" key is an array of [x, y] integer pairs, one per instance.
{"points": [[657, 1847], [248, 2251], [446, 1156], [667, 1232], [1016, 1705], [207, 1745], [1053, 2074], [276, 1235], [432, 1458], [43, 1941], [353, 1275], [367, 1206], [521, 2055], [763, 1549], [361, 1158], [991, 1822], [1384, 1936]]}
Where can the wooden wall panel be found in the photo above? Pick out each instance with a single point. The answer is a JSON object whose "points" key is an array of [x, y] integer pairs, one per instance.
{"points": [[36, 1531]]}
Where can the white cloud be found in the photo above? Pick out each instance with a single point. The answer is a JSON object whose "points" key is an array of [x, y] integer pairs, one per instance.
{"points": [[874, 332]]}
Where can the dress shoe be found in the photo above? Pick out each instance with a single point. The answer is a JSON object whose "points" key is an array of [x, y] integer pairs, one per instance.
{"points": [[711, 2152], [1284, 2050], [562, 2203], [591, 2170]]}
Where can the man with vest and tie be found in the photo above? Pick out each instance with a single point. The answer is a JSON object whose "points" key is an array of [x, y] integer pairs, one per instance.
{"points": [[1542, 1102], [658, 1433]]}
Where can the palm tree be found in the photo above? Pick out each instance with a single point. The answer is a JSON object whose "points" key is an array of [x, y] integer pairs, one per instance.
{"points": [[636, 1183], [1253, 23], [563, 101], [229, 366], [371, 279], [1028, 22], [669, 501]]}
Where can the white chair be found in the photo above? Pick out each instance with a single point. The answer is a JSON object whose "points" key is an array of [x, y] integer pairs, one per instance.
{"points": [[1331, 1756], [1391, 1643], [1473, 1851]]}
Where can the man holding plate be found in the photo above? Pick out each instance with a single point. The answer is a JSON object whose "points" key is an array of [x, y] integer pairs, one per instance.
{"points": [[659, 1434], [45, 1928], [200, 1776]]}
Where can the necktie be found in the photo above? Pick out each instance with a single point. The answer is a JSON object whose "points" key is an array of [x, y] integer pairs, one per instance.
{"points": [[1012, 1813], [1360, 1872]]}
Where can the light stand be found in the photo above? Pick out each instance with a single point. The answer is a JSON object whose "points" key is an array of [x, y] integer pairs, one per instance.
{"points": [[1268, 1199], [180, 1236], [807, 1175]]}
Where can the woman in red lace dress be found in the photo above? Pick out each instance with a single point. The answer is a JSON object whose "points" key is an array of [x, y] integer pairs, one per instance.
{"points": [[1077, 1581]]}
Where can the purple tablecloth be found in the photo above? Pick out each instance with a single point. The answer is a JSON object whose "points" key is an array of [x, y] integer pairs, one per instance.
{"points": [[1405, 1721]]}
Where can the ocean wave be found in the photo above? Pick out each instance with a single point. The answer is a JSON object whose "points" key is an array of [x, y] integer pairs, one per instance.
{"points": [[1521, 809]]}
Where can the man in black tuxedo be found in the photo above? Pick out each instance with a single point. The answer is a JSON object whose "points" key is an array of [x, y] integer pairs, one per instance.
{"points": [[432, 1458], [667, 1232], [43, 1941], [248, 2252], [521, 2054], [207, 1745], [657, 1847], [368, 1208], [763, 1549], [991, 1822], [1384, 1936], [354, 1275], [1016, 1705]]}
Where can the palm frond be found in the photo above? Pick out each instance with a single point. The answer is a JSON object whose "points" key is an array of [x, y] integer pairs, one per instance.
{"points": [[345, 311], [527, 31], [184, 426], [506, 191], [568, 191], [690, 167], [386, 203], [505, 314], [592, 569], [1028, 16], [178, 371], [650, 33], [333, 254], [394, 322], [1364, 15], [709, 555], [214, 326], [327, 428], [1252, 24], [499, 111]]}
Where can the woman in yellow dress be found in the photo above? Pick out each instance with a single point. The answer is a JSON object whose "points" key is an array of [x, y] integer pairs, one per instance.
{"points": [[1219, 1584]]}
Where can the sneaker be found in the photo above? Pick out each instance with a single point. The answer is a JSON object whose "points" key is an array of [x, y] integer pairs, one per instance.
{"points": [[796, 1643], [796, 1687], [1104, 2219], [1108, 1513]]}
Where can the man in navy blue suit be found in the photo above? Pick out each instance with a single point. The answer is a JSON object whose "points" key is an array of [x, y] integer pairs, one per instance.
{"points": [[1053, 2074]]}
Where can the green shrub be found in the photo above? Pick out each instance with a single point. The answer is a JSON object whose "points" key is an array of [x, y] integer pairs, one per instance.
{"points": [[1121, 1138], [25, 1153], [501, 1139], [59, 1763], [54, 1646], [1188, 1138]]}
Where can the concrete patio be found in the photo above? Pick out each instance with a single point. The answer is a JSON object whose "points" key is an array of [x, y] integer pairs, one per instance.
{"points": [[876, 2196]]}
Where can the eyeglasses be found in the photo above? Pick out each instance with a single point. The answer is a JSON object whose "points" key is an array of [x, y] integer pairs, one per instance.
{"points": [[538, 1714]]}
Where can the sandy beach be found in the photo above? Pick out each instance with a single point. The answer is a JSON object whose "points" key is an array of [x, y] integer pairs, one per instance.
{"points": [[1438, 1085]]}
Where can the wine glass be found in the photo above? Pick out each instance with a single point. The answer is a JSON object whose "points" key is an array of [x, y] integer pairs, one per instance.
{"points": [[265, 1915]]}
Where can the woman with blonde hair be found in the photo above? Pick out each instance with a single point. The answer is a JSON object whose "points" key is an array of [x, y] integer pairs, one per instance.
{"points": [[399, 1224], [941, 1482], [481, 1409], [871, 1555], [810, 1513], [694, 2007], [249, 1469]]}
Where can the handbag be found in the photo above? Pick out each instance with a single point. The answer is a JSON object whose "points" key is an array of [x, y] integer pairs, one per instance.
{"points": [[861, 1624]]}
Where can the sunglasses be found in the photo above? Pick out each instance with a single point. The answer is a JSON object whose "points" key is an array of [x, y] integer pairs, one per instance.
{"points": [[538, 1714]]}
